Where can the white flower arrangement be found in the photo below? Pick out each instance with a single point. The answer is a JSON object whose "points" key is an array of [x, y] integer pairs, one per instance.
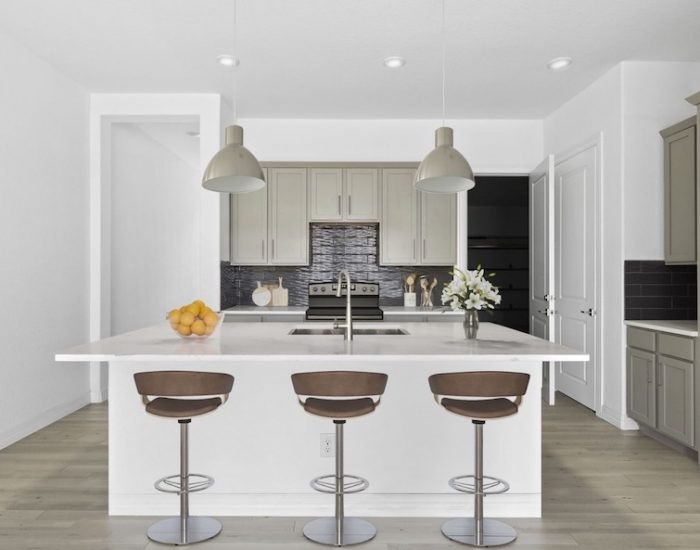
{"points": [[470, 290]]}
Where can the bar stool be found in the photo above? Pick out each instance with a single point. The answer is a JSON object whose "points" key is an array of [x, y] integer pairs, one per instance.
{"points": [[211, 390], [356, 391], [494, 386]]}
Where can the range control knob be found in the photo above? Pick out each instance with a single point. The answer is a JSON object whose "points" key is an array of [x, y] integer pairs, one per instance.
{"points": [[364, 289], [314, 289], [323, 289]]}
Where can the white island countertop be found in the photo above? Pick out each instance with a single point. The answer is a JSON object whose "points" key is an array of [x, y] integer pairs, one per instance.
{"points": [[682, 328], [273, 342]]}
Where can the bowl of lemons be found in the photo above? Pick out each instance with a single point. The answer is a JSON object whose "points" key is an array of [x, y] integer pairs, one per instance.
{"points": [[195, 320]]}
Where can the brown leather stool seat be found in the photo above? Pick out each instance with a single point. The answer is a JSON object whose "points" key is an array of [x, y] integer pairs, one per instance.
{"points": [[482, 408], [455, 392], [182, 408], [183, 395], [339, 408], [339, 395]]}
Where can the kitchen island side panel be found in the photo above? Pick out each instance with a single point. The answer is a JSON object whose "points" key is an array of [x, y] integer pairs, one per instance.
{"points": [[262, 448]]}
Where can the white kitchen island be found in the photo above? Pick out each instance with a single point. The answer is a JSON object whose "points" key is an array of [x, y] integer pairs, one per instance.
{"points": [[262, 448]]}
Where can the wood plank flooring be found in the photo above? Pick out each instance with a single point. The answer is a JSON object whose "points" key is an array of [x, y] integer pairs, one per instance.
{"points": [[603, 490]]}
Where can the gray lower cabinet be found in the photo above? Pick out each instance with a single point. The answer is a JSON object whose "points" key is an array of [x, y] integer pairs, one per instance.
{"points": [[641, 388], [660, 383], [675, 408]]}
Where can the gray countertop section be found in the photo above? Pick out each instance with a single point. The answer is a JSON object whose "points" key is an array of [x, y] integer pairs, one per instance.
{"points": [[682, 328]]}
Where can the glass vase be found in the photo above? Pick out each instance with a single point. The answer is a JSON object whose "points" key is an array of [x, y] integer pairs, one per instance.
{"points": [[471, 324]]}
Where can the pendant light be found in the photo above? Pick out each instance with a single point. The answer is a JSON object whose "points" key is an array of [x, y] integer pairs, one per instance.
{"points": [[444, 169], [234, 169]]}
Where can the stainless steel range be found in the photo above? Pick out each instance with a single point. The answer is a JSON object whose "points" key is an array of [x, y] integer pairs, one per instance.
{"points": [[324, 305]]}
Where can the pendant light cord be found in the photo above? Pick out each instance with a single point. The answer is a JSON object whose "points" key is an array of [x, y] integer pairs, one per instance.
{"points": [[236, 61], [444, 55]]}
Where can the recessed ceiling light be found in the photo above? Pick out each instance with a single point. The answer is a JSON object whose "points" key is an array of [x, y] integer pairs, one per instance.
{"points": [[559, 63], [193, 133], [394, 62], [228, 60]]}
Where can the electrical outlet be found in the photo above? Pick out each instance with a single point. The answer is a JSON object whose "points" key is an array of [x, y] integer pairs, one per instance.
{"points": [[327, 445]]}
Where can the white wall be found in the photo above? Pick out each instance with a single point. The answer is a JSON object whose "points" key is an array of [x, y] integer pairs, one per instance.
{"points": [[596, 110], [653, 98], [154, 231], [43, 241]]}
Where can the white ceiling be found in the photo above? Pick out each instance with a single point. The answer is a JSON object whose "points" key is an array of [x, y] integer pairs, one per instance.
{"points": [[323, 58]]}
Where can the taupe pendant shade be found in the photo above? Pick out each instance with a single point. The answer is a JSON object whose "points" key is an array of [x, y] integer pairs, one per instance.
{"points": [[234, 169], [444, 169]]}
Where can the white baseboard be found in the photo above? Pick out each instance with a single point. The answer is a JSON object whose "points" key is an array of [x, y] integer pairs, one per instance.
{"points": [[98, 396], [42, 420], [617, 419], [518, 505]]}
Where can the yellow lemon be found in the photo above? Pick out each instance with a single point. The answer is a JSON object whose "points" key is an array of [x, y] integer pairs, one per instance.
{"points": [[186, 319], [208, 330], [193, 309], [198, 327], [199, 303], [211, 319], [184, 330], [174, 316]]}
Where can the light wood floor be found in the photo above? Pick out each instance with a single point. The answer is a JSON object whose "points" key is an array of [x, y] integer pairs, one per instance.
{"points": [[603, 489]]}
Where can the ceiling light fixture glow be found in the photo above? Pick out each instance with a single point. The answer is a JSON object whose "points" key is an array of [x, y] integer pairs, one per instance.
{"points": [[559, 63], [394, 62], [227, 60]]}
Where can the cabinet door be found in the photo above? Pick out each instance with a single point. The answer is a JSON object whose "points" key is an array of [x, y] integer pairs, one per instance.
{"points": [[679, 194], [398, 229], [362, 194], [676, 411], [325, 194], [641, 390], [249, 228], [438, 223], [288, 228]]}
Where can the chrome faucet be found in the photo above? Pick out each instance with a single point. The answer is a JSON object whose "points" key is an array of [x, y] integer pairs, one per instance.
{"points": [[348, 309]]}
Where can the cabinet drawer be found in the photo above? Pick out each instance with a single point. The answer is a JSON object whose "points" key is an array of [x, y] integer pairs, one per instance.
{"points": [[640, 338], [676, 346]]}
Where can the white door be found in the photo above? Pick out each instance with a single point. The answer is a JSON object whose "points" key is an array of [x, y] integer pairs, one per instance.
{"points": [[325, 194], [542, 260], [575, 237], [438, 223], [362, 200]]}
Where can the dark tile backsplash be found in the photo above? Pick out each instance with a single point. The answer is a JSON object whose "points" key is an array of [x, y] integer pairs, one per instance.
{"points": [[654, 290], [332, 248]]}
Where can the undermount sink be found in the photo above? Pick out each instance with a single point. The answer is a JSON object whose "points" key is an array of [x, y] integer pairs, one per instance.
{"points": [[340, 331]]}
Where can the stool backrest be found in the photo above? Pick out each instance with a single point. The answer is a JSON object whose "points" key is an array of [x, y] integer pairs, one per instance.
{"points": [[480, 384], [178, 383], [339, 383]]}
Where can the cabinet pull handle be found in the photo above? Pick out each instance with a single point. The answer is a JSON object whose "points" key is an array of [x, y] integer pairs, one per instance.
{"points": [[340, 207], [659, 376], [414, 249], [349, 204], [262, 249], [649, 374], [273, 248], [423, 248]]}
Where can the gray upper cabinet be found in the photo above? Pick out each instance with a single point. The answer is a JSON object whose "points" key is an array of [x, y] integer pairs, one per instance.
{"points": [[288, 228], [399, 228], [438, 228], [679, 192], [325, 194], [249, 228], [362, 199]]}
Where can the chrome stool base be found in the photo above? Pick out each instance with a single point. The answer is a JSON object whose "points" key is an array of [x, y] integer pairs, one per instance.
{"points": [[199, 529], [355, 531], [463, 530]]}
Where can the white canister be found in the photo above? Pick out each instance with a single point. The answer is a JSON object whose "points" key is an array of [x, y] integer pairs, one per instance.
{"points": [[409, 299]]}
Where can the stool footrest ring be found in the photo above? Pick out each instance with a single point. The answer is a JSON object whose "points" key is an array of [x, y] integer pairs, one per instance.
{"points": [[327, 484], [467, 484], [195, 483]]}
